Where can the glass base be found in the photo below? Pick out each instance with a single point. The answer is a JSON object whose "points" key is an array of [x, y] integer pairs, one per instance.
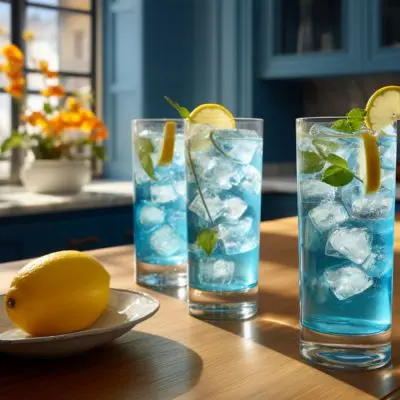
{"points": [[223, 305], [156, 276], [346, 352]]}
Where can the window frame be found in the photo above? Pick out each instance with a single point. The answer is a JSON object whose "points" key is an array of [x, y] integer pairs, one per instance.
{"points": [[18, 16]]}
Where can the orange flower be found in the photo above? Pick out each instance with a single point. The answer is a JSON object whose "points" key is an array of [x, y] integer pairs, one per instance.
{"points": [[12, 71], [13, 54], [72, 104], [55, 126], [36, 119], [16, 87], [53, 90], [44, 67], [28, 36], [99, 132], [71, 119]]}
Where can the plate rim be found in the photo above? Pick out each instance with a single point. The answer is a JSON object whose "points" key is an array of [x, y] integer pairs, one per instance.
{"points": [[89, 331]]}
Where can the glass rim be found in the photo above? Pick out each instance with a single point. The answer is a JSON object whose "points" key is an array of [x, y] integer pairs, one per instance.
{"points": [[307, 119], [156, 120]]}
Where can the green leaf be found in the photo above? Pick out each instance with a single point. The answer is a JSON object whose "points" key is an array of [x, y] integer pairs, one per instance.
{"points": [[99, 152], [337, 176], [183, 111], [311, 162], [327, 145], [12, 142], [144, 148], [48, 109], [343, 125], [336, 160], [356, 114], [207, 240]]}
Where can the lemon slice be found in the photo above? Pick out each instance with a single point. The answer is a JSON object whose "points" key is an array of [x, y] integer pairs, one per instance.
{"points": [[167, 151], [370, 163], [203, 120], [383, 108]]}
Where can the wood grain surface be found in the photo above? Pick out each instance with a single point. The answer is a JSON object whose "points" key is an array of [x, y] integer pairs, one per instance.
{"points": [[173, 355]]}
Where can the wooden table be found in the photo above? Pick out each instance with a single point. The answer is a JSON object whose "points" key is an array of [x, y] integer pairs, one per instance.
{"points": [[173, 355]]}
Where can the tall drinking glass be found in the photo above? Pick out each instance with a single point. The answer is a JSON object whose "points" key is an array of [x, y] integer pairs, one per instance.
{"points": [[345, 244], [160, 230], [224, 174]]}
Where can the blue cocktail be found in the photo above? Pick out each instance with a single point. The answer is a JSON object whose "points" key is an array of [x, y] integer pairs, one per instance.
{"points": [[160, 230], [345, 244], [224, 173]]}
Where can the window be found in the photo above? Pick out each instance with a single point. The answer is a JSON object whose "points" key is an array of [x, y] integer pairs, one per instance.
{"points": [[64, 36]]}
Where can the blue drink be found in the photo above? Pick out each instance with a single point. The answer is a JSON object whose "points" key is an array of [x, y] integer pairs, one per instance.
{"points": [[346, 250], [227, 177], [160, 230]]}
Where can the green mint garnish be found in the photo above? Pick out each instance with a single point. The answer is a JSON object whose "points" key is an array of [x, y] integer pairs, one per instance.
{"points": [[337, 173], [144, 148], [183, 111], [207, 238], [352, 123]]}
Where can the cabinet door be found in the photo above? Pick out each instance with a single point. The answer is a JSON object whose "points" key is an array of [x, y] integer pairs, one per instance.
{"points": [[310, 37], [382, 31]]}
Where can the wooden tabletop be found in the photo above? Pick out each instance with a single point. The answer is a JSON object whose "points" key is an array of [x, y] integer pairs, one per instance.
{"points": [[173, 355]]}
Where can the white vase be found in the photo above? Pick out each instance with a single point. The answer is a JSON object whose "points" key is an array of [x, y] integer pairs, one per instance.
{"points": [[56, 176]]}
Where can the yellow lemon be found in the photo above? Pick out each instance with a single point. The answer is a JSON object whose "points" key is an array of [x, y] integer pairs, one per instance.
{"points": [[204, 119], [167, 151], [370, 163], [383, 108], [58, 293]]}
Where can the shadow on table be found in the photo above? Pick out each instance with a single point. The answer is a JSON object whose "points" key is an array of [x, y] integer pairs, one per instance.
{"points": [[277, 327], [137, 366]]}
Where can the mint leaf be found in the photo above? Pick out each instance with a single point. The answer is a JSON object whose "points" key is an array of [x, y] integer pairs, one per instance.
{"points": [[336, 160], [207, 240], [144, 148], [183, 111], [356, 114], [343, 125], [337, 176], [311, 162]]}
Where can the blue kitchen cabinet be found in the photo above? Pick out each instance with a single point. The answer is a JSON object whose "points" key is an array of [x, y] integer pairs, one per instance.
{"points": [[34, 235], [310, 38]]}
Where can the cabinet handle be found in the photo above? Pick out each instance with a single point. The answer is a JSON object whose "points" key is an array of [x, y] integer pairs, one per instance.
{"points": [[78, 242]]}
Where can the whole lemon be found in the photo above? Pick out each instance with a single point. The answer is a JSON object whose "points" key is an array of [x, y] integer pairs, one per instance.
{"points": [[58, 293]]}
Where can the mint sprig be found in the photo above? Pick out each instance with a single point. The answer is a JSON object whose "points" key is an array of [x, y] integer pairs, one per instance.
{"points": [[338, 172], [183, 111], [352, 123], [144, 148]]}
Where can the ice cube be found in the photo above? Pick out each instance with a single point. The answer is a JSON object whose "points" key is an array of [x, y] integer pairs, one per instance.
{"points": [[314, 191], [319, 289], [347, 281], [180, 188], [377, 265], [216, 271], [388, 179], [221, 173], [251, 180], [213, 202], [327, 215], [234, 207], [238, 237], [166, 242], [239, 145], [373, 206], [162, 193], [388, 156], [351, 243], [323, 130], [139, 173], [151, 215]]}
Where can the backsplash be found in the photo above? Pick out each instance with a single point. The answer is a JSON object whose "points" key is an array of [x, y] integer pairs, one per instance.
{"points": [[336, 96]]}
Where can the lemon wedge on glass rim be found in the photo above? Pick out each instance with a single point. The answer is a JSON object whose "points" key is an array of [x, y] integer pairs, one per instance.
{"points": [[382, 109], [167, 151], [203, 120]]}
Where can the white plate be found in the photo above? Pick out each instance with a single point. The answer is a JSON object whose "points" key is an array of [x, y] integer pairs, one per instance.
{"points": [[124, 311]]}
